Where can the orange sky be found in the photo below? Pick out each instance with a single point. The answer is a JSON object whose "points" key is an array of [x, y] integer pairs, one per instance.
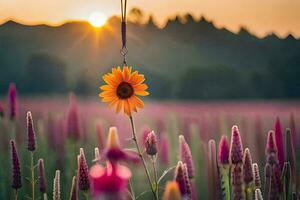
{"points": [[259, 16]]}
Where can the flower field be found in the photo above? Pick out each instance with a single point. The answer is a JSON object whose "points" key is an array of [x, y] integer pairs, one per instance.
{"points": [[209, 150]]}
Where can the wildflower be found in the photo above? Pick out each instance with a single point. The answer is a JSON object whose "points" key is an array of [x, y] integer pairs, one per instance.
{"points": [[56, 186], [12, 100], [290, 153], [30, 133], [182, 179], [186, 156], [16, 170], [257, 181], [247, 167], [224, 151], [151, 144], [267, 184], [73, 192], [72, 125], [83, 172], [279, 142], [237, 182], [122, 88], [114, 152], [236, 147], [172, 191], [41, 177], [271, 149], [110, 180]]}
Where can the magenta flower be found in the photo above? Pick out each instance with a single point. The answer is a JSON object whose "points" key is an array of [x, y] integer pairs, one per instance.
{"points": [[236, 147], [164, 150], [113, 151], [151, 144], [145, 131], [271, 149], [237, 182], [257, 181], [41, 177], [186, 156], [247, 168], [12, 100], [16, 170], [109, 181], [72, 126], [279, 142], [224, 150], [182, 179], [30, 133], [83, 172]]}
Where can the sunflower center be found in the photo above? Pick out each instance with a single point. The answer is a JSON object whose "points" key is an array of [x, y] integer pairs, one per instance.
{"points": [[125, 90]]}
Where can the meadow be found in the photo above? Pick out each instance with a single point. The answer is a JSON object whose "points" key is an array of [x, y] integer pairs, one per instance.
{"points": [[62, 125]]}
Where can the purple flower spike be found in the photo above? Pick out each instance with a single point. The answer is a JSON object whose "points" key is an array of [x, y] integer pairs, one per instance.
{"points": [[151, 144], [41, 178], [30, 133], [224, 151], [247, 168], [73, 127], [83, 172], [290, 154], [257, 181], [186, 156], [182, 179], [236, 148], [237, 182], [279, 142], [1, 112], [12, 99], [16, 170], [271, 149]]}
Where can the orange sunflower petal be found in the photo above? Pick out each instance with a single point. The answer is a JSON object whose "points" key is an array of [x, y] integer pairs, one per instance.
{"points": [[132, 104], [126, 73], [137, 79], [138, 102], [107, 94], [142, 93], [127, 109], [118, 74], [107, 87], [109, 79], [139, 87], [119, 106]]}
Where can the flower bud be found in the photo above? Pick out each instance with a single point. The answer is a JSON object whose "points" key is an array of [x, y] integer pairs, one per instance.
{"points": [[151, 144]]}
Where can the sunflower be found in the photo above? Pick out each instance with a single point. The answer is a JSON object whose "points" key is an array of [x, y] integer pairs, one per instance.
{"points": [[122, 88]]}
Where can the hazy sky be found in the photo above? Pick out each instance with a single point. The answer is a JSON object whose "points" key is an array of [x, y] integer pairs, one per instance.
{"points": [[259, 16]]}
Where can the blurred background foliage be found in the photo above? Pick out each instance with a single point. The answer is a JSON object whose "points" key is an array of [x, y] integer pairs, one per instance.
{"points": [[186, 59]]}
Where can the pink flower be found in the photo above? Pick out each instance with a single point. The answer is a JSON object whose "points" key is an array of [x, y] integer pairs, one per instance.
{"points": [[151, 144], [108, 181], [186, 156], [224, 150], [72, 126], [12, 100], [236, 149], [279, 142], [113, 151]]}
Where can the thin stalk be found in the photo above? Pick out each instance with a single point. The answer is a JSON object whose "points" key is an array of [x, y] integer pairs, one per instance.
{"points": [[16, 194], [45, 196], [131, 190], [134, 138], [32, 174], [86, 195], [153, 160]]}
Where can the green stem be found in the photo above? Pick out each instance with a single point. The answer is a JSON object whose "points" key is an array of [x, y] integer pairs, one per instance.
{"points": [[131, 190], [32, 174], [225, 181], [134, 138], [16, 194], [153, 160], [86, 195]]}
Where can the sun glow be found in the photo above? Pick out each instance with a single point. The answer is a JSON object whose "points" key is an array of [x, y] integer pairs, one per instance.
{"points": [[97, 19]]}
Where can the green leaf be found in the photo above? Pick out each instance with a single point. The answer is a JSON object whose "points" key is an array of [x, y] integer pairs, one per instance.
{"points": [[165, 173]]}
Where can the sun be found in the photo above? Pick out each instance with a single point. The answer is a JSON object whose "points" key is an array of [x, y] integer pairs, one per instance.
{"points": [[97, 19]]}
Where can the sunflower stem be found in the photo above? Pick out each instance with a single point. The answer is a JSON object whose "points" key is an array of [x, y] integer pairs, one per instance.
{"points": [[141, 156]]}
